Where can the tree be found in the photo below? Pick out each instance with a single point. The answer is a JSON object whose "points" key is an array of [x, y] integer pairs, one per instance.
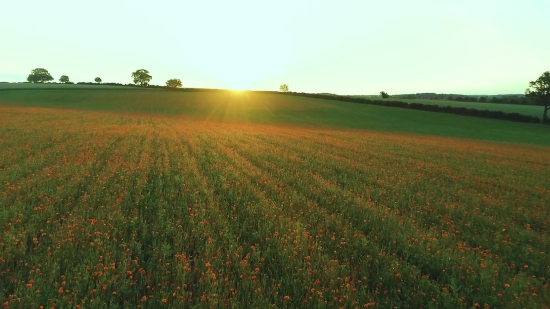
{"points": [[540, 93], [283, 88], [97, 80], [384, 95], [141, 77], [64, 79], [39, 75], [173, 83]]}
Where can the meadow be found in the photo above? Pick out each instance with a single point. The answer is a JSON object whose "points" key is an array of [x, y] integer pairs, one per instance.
{"points": [[531, 110], [156, 199], [254, 107]]}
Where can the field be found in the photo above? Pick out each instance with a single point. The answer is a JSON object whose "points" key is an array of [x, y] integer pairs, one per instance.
{"points": [[125, 199], [531, 110], [275, 109]]}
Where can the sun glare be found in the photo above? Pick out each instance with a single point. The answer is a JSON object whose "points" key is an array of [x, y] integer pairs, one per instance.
{"points": [[240, 75], [244, 61], [238, 82]]}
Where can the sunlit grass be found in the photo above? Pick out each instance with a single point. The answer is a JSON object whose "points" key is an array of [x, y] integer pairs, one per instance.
{"points": [[139, 210], [248, 106]]}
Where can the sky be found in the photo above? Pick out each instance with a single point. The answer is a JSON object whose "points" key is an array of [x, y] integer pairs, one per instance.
{"points": [[343, 47]]}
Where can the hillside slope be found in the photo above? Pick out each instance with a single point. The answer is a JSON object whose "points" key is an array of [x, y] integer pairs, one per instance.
{"points": [[278, 109]]}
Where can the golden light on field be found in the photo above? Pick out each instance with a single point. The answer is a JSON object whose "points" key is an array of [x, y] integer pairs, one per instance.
{"points": [[189, 191]]}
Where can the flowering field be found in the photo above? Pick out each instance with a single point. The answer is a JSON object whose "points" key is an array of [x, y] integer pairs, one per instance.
{"points": [[103, 210]]}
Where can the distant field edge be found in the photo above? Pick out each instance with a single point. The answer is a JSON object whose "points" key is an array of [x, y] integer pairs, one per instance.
{"points": [[105, 86], [464, 111], [73, 89], [498, 115]]}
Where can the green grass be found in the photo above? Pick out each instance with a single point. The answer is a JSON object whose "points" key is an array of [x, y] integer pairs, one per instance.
{"points": [[278, 109], [531, 110], [149, 207]]}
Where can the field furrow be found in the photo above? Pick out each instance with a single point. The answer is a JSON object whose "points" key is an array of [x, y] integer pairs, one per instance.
{"points": [[104, 210]]}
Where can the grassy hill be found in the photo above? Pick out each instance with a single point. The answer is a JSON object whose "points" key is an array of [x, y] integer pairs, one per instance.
{"points": [[160, 199], [276, 109], [507, 108]]}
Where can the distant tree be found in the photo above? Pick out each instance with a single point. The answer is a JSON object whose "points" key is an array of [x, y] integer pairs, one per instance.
{"points": [[64, 79], [97, 80], [173, 83], [283, 88], [540, 93], [39, 75], [384, 95], [141, 77], [482, 99]]}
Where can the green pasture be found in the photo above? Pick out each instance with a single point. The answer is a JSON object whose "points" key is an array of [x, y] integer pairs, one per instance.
{"points": [[278, 109], [531, 110]]}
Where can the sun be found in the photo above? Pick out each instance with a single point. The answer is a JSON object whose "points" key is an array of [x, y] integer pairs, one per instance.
{"points": [[238, 82], [238, 75], [240, 63]]}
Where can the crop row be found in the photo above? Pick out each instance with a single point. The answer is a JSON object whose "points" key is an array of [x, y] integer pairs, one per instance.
{"points": [[113, 210]]}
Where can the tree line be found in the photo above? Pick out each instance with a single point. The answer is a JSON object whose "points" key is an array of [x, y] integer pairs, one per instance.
{"points": [[538, 93], [140, 78], [427, 107], [501, 99]]}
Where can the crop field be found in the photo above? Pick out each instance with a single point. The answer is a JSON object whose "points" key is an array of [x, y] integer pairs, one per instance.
{"points": [[254, 107], [531, 110], [107, 202]]}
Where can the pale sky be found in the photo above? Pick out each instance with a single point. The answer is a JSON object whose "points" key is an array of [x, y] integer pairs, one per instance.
{"points": [[344, 47]]}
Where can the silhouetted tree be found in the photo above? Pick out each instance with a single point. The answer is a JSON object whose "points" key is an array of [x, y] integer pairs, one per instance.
{"points": [[173, 83], [39, 75], [540, 93], [64, 79], [283, 88], [141, 77], [97, 80], [384, 95]]}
